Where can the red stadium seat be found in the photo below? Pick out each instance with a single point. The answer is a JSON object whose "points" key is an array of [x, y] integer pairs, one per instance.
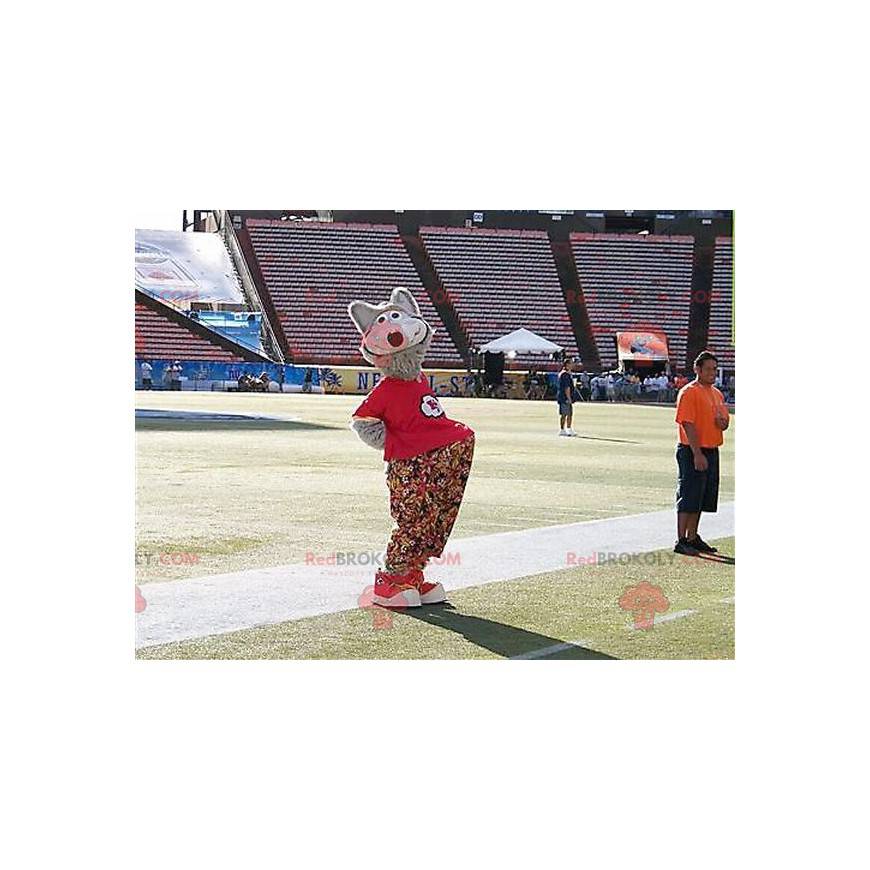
{"points": [[635, 282]]}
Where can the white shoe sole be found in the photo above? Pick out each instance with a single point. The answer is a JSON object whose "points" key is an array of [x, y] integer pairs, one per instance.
{"points": [[408, 598], [434, 596]]}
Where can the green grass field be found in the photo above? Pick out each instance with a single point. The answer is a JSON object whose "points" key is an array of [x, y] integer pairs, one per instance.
{"points": [[223, 497]]}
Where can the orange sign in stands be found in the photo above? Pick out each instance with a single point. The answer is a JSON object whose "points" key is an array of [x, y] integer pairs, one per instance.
{"points": [[642, 346]]}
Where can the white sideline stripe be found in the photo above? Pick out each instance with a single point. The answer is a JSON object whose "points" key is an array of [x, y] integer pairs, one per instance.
{"points": [[727, 600], [199, 607]]}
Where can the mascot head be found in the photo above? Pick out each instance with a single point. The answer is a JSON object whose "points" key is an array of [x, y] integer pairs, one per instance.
{"points": [[395, 338]]}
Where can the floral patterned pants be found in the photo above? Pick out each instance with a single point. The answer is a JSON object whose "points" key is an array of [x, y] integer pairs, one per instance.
{"points": [[425, 494]]}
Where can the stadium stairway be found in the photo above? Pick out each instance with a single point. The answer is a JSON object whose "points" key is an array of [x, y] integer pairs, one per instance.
{"points": [[439, 296], [702, 293], [249, 287], [569, 279]]}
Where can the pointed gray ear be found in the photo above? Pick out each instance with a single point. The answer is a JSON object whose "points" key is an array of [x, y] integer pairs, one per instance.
{"points": [[362, 314], [402, 298]]}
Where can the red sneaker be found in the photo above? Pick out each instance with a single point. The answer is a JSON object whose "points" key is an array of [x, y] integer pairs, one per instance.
{"points": [[395, 590], [430, 593]]}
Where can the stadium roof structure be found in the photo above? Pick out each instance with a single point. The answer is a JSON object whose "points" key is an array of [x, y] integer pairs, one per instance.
{"points": [[520, 341]]}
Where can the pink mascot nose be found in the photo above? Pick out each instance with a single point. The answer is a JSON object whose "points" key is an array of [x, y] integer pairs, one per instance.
{"points": [[395, 338]]}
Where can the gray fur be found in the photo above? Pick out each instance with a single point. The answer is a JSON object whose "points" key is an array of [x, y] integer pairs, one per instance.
{"points": [[363, 314], [371, 432], [403, 299]]}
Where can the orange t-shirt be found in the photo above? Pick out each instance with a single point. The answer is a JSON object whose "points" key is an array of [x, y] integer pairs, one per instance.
{"points": [[698, 404]]}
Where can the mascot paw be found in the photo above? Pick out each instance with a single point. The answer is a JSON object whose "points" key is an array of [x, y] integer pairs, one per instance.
{"points": [[371, 432]]}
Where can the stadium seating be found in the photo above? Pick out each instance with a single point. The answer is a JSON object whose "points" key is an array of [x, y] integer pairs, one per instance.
{"points": [[720, 335], [636, 282], [311, 272], [158, 336], [499, 281]]}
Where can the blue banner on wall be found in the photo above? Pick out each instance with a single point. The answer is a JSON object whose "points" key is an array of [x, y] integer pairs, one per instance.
{"points": [[201, 375]]}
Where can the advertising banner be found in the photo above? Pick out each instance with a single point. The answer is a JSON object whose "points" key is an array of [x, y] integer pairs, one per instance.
{"points": [[197, 375], [642, 346], [181, 268], [443, 382]]}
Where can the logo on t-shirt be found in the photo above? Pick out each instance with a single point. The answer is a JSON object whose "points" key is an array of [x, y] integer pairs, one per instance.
{"points": [[431, 407]]}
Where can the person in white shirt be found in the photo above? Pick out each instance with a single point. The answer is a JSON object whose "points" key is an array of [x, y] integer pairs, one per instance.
{"points": [[145, 370]]}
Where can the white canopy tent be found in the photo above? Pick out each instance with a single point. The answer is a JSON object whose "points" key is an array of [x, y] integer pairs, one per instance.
{"points": [[521, 341]]}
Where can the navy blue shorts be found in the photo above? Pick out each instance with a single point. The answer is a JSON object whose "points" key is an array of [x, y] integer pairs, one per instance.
{"points": [[697, 491], [565, 408]]}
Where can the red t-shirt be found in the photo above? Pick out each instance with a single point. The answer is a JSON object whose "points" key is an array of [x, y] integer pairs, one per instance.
{"points": [[413, 417]]}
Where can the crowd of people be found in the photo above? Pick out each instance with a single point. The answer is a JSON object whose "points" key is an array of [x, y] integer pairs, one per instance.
{"points": [[172, 379], [609, 386], [171, 375], [631, 387], [617, 386], [249, 384]]}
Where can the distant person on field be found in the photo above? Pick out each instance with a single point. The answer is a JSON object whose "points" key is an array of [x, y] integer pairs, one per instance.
{"points": [[585, 391], [702, 417], [618, 386], [527, 382], [565, 396], [145, 369], [175, 376]]}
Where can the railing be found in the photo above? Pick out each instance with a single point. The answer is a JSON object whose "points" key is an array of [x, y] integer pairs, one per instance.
{"points": [[228, 233]]}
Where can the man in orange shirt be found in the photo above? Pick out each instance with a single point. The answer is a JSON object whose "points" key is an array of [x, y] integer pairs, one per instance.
{"points": [[702, 417]]}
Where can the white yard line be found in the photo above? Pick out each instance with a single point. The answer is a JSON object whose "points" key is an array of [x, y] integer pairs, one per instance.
{"points": [[549, 650], [559, 647], [185, 609], [664, 617]]}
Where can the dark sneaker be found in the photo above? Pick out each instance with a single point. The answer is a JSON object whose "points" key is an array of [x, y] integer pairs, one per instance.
{"points": [[685, 548], [702, 546]]}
